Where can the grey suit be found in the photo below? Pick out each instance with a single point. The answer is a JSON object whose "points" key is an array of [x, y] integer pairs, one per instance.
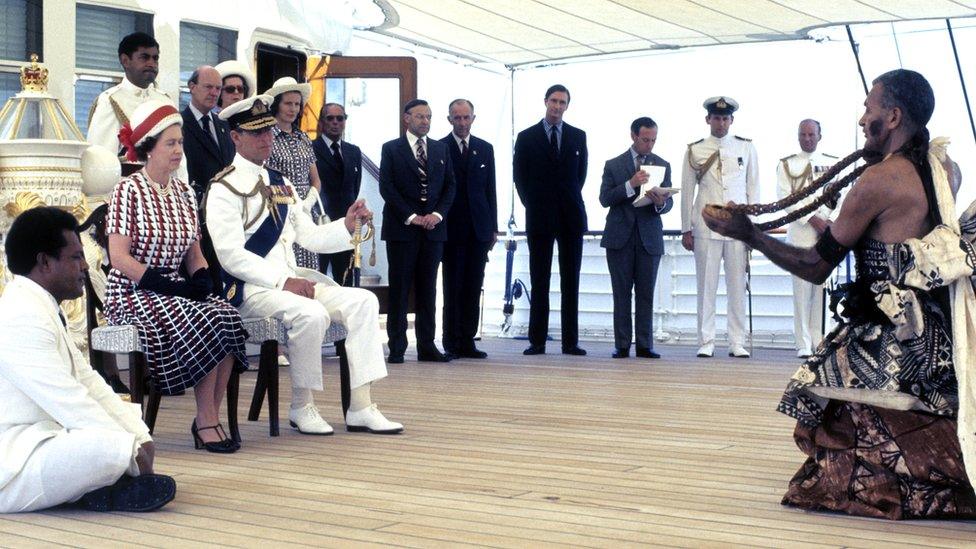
{"points": [[634, 240]]}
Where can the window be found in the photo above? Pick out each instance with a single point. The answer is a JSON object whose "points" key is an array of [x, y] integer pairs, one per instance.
{"points": [[20, 30], [202, 45], [9, 86], [99, 32], [86, 91], [96, 46]]}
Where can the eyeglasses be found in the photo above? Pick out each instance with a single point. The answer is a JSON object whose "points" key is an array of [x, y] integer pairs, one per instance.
{"points": [[234, 89], [336, 117]]}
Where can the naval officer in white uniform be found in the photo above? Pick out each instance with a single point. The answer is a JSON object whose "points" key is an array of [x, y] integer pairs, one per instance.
{"points": [[139, 56], [793, 173], [715, 170], [254, 215]]}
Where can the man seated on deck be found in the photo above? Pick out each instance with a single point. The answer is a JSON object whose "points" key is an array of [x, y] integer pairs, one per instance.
{"points": [[64, 435], [876, 404]]}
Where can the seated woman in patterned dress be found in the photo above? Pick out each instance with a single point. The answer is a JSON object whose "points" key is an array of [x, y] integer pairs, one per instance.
{"points": [[191, 338], [884, 407], [292, 154]]}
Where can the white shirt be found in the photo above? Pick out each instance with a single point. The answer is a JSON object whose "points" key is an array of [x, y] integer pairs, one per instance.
{"points": [[197, 115], [412, 140]]}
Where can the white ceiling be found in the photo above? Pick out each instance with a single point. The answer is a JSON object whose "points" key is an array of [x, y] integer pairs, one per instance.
{"points": [[516, 32]]}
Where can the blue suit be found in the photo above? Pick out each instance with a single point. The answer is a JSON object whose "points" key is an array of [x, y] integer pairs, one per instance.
{"points": [[471, 227], [204, 157], [413, 253], [550, 187], [634, 240], [340, 188]]}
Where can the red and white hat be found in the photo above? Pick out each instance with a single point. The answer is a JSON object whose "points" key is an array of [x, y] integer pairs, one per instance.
{"points": [[148, 120]]}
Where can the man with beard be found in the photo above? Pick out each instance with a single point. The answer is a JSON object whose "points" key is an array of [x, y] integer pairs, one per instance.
{"points": [[876, 404]]}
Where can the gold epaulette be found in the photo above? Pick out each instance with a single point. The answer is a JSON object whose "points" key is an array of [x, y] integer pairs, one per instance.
{"points": [[119, 113], [222, 173], [740, 138], [696, 142], [787, 158]]}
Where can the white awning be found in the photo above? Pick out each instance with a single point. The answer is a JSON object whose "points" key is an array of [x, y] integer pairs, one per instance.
{"points": [[517, 32]]}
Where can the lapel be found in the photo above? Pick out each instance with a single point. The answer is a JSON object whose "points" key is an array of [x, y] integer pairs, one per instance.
{"points": [[40, 300], [411, 160], [474, 154], [543, 138], [197, 132], [324, 152], [350, 167]]}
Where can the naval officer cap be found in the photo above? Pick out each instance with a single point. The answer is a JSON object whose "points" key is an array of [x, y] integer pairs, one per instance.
{"points": [[720, 105], [249, 114]]}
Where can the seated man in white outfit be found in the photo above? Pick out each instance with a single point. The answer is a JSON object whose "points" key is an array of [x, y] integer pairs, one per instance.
{"points": [[64, 435], [254, 215]]}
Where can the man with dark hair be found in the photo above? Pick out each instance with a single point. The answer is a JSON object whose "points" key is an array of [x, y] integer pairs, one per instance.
{"points": [[254, 215], [793, 173], [471, 227], [876, 404], [207, 145], [549, 168], [634, 236], [339, 164], [417, 185], [716, 169], [64, 435], [139, 57]]}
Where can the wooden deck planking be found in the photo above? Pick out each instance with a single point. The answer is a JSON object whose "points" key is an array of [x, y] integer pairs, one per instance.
{"points": [[508, 452]]}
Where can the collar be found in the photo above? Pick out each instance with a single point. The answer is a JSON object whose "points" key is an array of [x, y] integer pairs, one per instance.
{"points": [[197, 115], [457, 140], [805, 155], [547, 127], [634, 154], [248, 170], [726, 141], [136, 90], [412, 140], [328, 142]]}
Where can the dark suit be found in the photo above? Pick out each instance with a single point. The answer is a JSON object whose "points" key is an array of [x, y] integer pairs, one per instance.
{"points": [[471, 226], [413, 253], [550, 188], [204, 157], [634, 240], [340, 188]]}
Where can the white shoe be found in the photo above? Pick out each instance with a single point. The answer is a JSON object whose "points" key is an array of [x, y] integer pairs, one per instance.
{"points": [[308, 421], [283, 361], [706, 350], [738, 352], [370, 420]]}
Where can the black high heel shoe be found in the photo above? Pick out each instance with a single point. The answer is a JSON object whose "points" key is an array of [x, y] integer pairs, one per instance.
{"points": [[225, 446]]}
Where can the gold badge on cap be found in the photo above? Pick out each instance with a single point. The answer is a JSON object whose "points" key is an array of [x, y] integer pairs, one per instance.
{"points": [[721, 104]]}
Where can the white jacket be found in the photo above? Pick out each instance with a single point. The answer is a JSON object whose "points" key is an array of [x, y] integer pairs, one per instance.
{"points": [[800, 233], [103, 120], [46, 385], [225, 221], [734, 176]]}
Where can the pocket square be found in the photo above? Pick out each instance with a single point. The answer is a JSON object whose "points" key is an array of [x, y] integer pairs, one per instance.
{"points": [[481, 166], [577, 153], [442, 161]]}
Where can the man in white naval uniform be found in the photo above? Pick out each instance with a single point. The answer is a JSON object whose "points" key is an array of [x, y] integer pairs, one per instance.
{"points": [[253, 216], [64, 435], [139, 56], [792, 174], [715, 170]]}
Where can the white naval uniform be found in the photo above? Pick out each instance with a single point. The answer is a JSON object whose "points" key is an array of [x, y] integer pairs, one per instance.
{"points": [[103, 120], [807, 297], [305, 319], [63, 432], [734, 176]]}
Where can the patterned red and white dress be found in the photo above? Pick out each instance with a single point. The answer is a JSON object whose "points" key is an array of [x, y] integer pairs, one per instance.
{"points": [[183, 339]]}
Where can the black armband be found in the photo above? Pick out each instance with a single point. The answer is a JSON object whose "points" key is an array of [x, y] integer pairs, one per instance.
{"points": [[830, 250]]}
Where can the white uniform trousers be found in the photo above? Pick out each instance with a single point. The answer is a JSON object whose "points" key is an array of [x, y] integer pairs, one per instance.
{"points": [[67, 466], [307, 320], [807, 314], [710, 254]]}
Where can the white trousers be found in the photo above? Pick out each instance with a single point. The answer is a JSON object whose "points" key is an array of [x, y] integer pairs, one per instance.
{"points": [[307, 320], [710, 254], [67, 466], [807, 314]]}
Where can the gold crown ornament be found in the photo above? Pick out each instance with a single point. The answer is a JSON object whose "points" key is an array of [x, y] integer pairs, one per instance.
{"points": [[33, 77]]}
